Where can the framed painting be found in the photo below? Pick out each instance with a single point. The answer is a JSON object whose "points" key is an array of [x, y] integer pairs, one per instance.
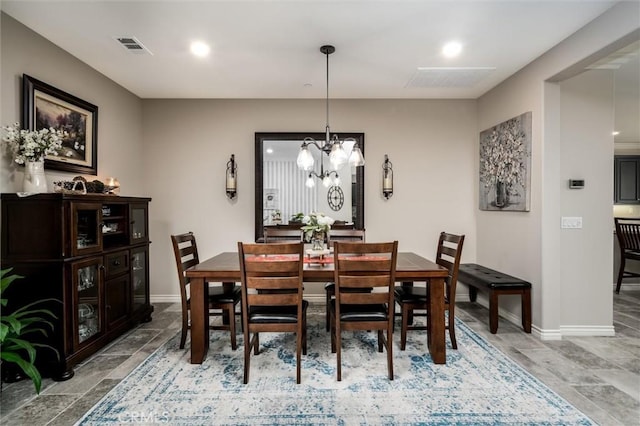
{"points": [[45, 106], [505, 165]]}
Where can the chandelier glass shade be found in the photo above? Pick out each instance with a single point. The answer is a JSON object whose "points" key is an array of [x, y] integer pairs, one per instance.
{"points": [[332, 146]]}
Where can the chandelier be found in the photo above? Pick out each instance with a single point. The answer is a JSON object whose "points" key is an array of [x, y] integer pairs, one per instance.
{"points": [[332, 146]]}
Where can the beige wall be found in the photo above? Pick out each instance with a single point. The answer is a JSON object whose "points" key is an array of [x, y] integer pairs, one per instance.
{"points": [[188, 142], [586, 108], [119, 111]]}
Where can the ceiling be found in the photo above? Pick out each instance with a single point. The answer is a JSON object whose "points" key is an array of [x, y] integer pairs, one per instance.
{"points": [[270, 48]]}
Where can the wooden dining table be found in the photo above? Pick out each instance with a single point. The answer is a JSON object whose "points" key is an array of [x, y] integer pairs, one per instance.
{"points": [[225, 268]]}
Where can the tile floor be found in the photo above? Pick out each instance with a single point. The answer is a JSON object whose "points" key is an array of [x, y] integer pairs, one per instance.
{"points": [[598, 375]]}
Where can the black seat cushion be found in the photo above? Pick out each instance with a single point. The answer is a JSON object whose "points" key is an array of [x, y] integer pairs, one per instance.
{"points": [[217, 294], [478, 275], [411, 294], [348, 312], [275, 314]]}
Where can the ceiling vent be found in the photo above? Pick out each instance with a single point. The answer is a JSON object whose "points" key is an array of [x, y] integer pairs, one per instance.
{"points": [[448, 77], [133, 45]]}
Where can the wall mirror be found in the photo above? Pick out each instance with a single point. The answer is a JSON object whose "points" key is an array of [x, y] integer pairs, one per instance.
{"points": [[281, 190]]}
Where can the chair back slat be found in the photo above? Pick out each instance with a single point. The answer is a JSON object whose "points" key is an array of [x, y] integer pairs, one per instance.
{"points": [[185, 251], [365, 266], [274, 235], [628, 233], [345, 235], [448, 255], [271, 274]]}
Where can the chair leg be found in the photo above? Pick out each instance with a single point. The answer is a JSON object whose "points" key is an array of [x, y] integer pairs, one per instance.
{"points": [[328, 314], [256, 347], [338, 352], [620, 273], [304, 333], [390, 352], [185, 327], [380, 341], [299, 338], [452, 329], [405, 326], [247, 356], [232, 326]]}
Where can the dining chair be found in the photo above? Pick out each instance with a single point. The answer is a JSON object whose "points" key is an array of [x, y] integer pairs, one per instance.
{"points": [[271, 276], [274, 235], [221, 301], [628, 235], [330, 287], [360, 266], [412, 298]]}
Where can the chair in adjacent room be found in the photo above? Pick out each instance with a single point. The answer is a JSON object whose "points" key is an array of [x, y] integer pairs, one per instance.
{"points": [[415, 298], [339, 235], [271, 276], [359, 267], [222, 300], [628, 234]]}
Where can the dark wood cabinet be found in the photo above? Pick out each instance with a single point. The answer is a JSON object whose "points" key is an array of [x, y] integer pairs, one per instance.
{"points": [[627, 179], [88, 256]]}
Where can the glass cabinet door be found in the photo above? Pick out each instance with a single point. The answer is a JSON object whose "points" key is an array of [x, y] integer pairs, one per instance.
{"points": [[87, 277], [139, 278], [86, 229], [139, 225]]}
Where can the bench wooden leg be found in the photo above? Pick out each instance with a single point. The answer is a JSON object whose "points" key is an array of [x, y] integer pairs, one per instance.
{"points": [[526, 310], [473, 294], [493, 312]]}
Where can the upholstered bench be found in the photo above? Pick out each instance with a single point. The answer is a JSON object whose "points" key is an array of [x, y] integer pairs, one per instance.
{"points": [[478, 277]]}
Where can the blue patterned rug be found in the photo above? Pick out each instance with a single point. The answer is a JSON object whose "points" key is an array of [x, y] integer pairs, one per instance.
{"points": [[478, 385]]}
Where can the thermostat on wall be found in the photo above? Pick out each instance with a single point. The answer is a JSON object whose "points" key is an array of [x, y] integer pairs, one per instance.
{"points": [[576, 183]]}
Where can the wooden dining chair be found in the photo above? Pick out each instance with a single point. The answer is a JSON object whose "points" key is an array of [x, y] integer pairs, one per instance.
{"points": [[274, 235], [221, 301], [271, 276], [415, 298], [628, 235], [330, 287], [360, 266]]}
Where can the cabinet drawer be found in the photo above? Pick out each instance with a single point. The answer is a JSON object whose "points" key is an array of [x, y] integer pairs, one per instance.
{"points": [[116, 264]]}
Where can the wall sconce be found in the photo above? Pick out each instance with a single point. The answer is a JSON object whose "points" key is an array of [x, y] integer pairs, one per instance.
{"points": [[387, 177], [232, 186]]}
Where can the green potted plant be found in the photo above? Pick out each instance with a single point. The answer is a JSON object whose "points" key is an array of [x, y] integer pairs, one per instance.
{"points": [[17, 329]]}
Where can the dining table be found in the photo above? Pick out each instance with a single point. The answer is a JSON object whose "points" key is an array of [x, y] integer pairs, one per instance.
{"points": [[225, 268]]}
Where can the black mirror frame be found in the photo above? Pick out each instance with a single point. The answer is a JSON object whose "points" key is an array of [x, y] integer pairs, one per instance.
{"points": [[298, 137]]}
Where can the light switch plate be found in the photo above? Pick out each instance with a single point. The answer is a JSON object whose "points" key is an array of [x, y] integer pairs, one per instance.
{"points": [[571, 222]]}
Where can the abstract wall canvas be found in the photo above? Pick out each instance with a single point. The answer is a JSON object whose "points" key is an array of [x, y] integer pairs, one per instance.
{"points": [[505, 165]]}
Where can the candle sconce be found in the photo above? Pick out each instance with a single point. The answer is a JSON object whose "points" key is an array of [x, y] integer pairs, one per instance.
{"points": [[387, 178], [231, 185]]}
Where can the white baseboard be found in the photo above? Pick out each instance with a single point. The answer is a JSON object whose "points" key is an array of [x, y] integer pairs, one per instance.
{"points": [[588, 330]]}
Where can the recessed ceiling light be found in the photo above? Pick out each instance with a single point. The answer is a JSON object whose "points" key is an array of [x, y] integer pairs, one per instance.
{"points": [[452, 49], [200, 49], [615, 133]]}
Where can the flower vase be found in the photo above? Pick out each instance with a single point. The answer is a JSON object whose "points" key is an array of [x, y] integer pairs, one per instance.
{"points": [[317, 240], [502, 195], [34, 179]]}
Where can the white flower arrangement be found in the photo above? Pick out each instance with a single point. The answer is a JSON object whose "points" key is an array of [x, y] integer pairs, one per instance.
{"points": [[315, 222], [32, 145], [503, 154]]}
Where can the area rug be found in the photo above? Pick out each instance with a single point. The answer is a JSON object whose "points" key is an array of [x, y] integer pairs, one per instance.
{"points": [[478, 385]]}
